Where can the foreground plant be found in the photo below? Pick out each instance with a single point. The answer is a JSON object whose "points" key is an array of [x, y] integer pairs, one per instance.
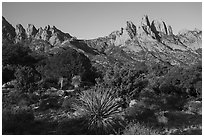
{"points": [[139, 129], [100, 110]]}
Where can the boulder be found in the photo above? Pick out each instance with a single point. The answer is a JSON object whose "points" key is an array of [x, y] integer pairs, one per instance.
{"points": [[132, 103], [194, 107], [9, 84]]}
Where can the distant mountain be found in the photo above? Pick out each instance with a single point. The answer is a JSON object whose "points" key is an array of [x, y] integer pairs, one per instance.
{"points": [[150, 42]]}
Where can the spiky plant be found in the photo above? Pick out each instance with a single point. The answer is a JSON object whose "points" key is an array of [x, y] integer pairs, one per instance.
{"points": [[100, 110]]}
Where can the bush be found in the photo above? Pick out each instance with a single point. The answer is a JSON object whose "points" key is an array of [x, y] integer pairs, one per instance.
{"points": [[127, 81], [26, 79], [67, 64], [49, 82], [139, 129], [68, 103], [139, 113], [49, 103], [101, 111], [16, 54], [183, 81], [161, 101]]}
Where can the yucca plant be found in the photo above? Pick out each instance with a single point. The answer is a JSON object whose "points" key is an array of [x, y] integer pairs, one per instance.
{"points": [[100, 110]]}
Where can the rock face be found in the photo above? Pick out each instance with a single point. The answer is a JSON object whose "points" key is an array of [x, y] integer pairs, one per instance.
{"points": [[131, 29], [31, 31], [53, 35], [126, 34], [8, 31], [20, 33], [192, 39]]}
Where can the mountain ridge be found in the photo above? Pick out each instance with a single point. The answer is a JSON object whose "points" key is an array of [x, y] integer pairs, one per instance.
{"points": [[151, 41]]}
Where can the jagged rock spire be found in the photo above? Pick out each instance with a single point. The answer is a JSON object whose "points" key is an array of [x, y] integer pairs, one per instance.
{"points": [[20, 33], [31, 31], [131, 29]]}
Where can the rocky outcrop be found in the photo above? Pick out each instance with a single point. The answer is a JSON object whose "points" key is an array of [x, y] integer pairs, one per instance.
{"points": [[39, 33], [156, 29], [145, 21], [49, 34], [170, 31], [40, 46], [53, 35], [131, 29], [121, 38], [31, 31], [8, 31], [20, 33], [192, 39], [43, 34]]}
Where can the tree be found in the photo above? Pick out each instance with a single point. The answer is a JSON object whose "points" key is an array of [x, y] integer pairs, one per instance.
{"points": [[16, 55], [26, 79], [67, 64]]}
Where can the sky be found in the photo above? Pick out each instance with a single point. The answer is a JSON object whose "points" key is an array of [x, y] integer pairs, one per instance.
{"points": [[92, 20]]}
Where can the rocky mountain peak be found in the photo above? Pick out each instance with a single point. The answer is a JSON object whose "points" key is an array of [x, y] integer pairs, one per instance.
{"points": [[131, 29], [31, 31], [145, 21]]}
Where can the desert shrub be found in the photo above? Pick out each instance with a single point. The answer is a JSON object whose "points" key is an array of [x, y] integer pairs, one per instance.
{"points": [[17, 120], [26, 79], [159, 69], [127, 81], [183, 81], [16, 54], [49, 103], [139, 129], [140, 113], [68, 102], [15, 97], [154, 101], [49, 82], [101, 111], [67, 64]]}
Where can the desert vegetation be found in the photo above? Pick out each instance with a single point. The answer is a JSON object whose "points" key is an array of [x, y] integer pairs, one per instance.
{"points": [[136, 99]]}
